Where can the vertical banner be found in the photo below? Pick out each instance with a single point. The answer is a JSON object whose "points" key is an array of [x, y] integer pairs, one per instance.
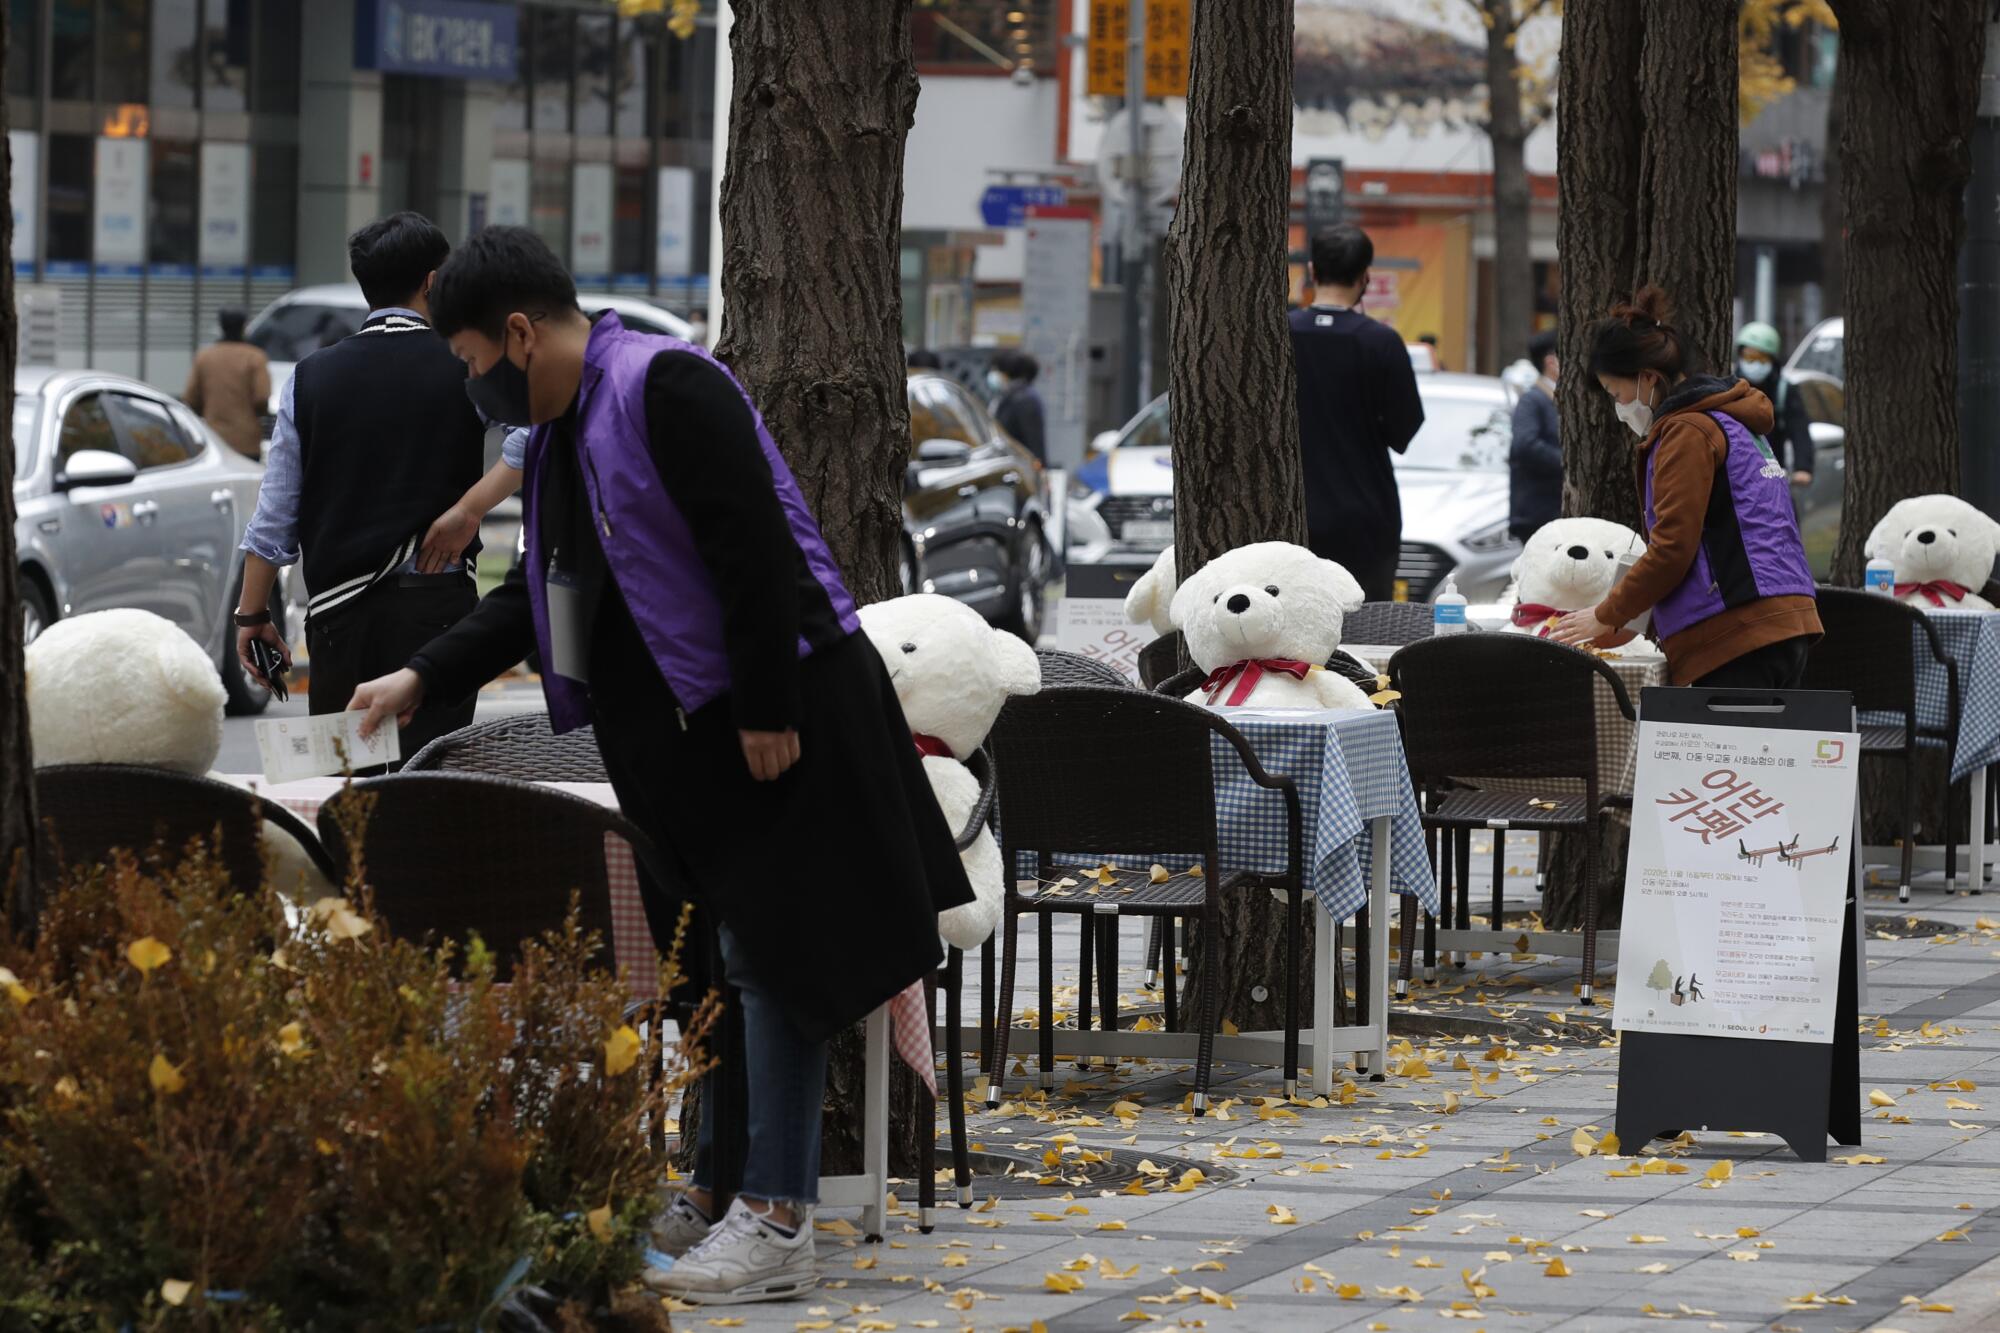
{"points": [[1055, 324], [24, 180], [590, 224], [1326, 195], [673, 241], [225, 209], [119, 227], [507, 203]]}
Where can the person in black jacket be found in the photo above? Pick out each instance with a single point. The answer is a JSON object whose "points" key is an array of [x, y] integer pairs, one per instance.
{"points": [[1018, 409], [1358, 403], [1535, 457]]}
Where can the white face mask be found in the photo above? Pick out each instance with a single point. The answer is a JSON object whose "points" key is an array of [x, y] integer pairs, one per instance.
{"points": [[1754, 371], [1637, 416], [996, 381]]}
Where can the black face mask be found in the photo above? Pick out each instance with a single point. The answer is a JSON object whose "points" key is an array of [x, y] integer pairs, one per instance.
{"points": [[501, 394]]}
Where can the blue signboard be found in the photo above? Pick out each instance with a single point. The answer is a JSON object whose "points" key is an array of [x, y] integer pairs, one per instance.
{"points": [[451, 39], [1008, 205]]}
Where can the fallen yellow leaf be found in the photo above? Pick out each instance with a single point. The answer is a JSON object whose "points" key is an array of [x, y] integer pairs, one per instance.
{"points": [[1718, 1173], [1862, 1159], [1062, 1284], [1281, 1216], [1556, 1268], [1877, 1097]]}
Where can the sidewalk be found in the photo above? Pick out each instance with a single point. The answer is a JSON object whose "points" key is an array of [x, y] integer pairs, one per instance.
{"points": [[1457, 1190]]}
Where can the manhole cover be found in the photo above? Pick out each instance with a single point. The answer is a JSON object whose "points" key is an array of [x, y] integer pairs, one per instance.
{"points": [[1008, 1171], [1910, 927]]}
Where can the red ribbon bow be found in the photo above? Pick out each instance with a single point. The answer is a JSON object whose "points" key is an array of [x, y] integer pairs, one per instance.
{"points": [[1933, 589], [1247, 674], [1530, 614], [931, 745]]}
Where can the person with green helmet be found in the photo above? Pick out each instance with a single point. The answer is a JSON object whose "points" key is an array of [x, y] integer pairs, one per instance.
{"points": [[1757, 349]]}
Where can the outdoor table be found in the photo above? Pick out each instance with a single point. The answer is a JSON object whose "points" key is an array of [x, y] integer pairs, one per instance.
{"points": [[1972, 640], [905, 1019], [1354, 792]]}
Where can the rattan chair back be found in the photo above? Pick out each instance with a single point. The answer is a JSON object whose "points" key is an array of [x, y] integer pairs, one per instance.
{"points": [[1061, 668], [1868, 650], [520, 747], [1160, 659], [1387, 624], [1499, 706]]}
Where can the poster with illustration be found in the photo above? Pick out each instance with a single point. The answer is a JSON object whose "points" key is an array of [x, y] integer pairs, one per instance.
{"points": [[1737, 882]]}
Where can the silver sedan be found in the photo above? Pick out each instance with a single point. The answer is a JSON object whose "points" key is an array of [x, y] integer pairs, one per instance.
{"points": [[125, 498]]}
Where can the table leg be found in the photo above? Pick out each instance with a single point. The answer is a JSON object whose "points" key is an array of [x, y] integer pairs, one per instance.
{"points": [[1326, 976], [1378, 922], [875, 1135], [1976, 827]]}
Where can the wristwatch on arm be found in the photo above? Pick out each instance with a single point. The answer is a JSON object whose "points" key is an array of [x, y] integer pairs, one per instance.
{"points": [[251, 619]]}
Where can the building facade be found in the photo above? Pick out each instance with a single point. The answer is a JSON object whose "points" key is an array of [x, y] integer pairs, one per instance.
{"points": [[172, 158]]}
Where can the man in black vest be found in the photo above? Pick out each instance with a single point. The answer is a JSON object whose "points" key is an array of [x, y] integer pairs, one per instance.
{"points": [[374, 439]]}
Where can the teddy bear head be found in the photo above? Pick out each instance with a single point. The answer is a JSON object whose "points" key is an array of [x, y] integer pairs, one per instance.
{"points": [[123, 687], [1266, 600], [1936, 538], [1151, 600], [1571, 563], [951, 670]]}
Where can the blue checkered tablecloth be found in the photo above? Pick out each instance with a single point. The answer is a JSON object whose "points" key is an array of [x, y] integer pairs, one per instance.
{"points": [[1971, 639], [1349, 768]]}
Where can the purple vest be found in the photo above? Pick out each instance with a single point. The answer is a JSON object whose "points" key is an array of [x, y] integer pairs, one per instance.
{"points": [[1750, 547], [647, 545]]}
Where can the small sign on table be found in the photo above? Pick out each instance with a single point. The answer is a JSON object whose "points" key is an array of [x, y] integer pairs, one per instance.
{"points": [[1090, 617]]}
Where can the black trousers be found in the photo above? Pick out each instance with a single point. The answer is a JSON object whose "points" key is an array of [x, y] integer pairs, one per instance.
{"points": [[377, 633], [1374, 569], [1775, 666]]}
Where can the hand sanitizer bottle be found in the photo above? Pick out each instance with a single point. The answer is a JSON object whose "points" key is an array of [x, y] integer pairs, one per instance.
{"points": [[1448, 611], [1881, 577]]}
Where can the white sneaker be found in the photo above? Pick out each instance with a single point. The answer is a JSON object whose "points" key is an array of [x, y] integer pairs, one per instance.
{"points": [[680, 1228], [744, 1259]]}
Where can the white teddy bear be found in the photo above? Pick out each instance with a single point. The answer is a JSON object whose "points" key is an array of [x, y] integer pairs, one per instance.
{"points": [[1151, 600], [952, 673], [1942, 549], [1569, 564], [129, 687], [1262, 620]]}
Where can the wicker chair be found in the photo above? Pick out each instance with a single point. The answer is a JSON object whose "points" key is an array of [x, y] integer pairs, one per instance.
{"points": [[1060, 668], [520, 747], [1479, 706], [1160, 660], [949, 978], [1387, 624], [1869, 650], [1162, 804], [87, 810]]}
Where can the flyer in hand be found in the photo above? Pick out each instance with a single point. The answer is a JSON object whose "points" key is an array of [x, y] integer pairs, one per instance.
{"points": [[325, 746], [1737, 883]]}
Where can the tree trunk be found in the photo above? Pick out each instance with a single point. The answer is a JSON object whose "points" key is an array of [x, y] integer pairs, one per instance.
{"points": [[17, 788], [1907, 96], [1513, 270], [1237, 476], [812, 206]]}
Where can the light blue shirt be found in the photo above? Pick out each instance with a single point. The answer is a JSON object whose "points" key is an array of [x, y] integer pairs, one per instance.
{"points": [[273, 530]]}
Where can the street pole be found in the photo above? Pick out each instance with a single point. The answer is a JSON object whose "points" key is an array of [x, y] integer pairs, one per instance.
{"points": [[1133, 265], [1979, 294]]}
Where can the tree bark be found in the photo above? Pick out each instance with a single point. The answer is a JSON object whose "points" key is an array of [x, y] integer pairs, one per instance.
{"points": [[1237, 475], [1907, 96], [811, 210], [17, 787], [1513, 270]]}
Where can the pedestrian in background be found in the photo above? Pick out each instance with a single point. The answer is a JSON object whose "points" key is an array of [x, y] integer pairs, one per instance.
{"points": [[1018, 405], [375, 438], [1535, 456], [698, 326], [1757, 348], [1358, 404], [229, 385]]}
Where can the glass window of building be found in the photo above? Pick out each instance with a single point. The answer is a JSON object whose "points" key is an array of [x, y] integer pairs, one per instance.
{"points": [[550, 52], [172, 181], [510, 102], [176, 52], [24, 45], [277, 63], [73, 56], [226, 55], [122, 78], [629, 230], [594, 64], [637, 49], [548, 203], [274, 202], [71, 162]]}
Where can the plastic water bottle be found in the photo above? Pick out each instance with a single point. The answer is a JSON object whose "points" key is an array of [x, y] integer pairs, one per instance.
{"points": [[1448, 611], [1881, 577]]}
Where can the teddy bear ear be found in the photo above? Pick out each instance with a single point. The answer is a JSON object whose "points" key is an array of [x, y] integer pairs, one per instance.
{"points": [[1145, 594], [1878, 543], [1020, 669], [1346, 591]]}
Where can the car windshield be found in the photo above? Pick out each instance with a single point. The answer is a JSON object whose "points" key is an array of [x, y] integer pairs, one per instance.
{"points": [[1463, 434], [1826, 353], [26, 407], [294, 332]]}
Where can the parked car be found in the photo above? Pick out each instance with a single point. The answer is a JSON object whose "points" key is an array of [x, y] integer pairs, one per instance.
{"points": [[1453, 483], [301, 322], [125, 498], [1817, 369]]}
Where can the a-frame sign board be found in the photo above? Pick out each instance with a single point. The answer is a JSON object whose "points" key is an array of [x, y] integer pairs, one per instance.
{"points": [[1801, 1091]]}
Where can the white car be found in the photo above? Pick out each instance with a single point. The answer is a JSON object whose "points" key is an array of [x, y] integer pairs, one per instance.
{"points": [[1452, 480], [301, 322]]}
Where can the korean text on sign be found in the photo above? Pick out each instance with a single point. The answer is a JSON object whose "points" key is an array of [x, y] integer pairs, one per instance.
{"points": [[1723, 807]]}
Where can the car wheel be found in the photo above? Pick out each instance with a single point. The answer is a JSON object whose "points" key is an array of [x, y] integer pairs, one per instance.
{"points": [[246, 697], [1031, 582], [36, 615]]}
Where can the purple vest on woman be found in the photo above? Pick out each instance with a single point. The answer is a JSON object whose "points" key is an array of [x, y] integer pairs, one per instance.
{"points": [[1750, 547], [647, 545]]}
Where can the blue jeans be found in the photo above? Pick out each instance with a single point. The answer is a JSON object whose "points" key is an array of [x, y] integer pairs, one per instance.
{"points": [[787, 1082]]}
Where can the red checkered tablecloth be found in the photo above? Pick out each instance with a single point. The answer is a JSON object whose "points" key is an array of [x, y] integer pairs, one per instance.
{"points": [[631, 935]]}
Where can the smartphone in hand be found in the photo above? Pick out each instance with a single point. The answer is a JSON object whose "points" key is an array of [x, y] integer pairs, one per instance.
{"points": [[271, 665]]}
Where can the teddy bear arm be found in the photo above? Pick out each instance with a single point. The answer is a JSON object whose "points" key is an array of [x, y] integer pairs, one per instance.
{"points": [[1337, 691]]}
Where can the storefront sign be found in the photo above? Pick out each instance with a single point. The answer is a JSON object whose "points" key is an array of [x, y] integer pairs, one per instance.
{"points": [[120, 221], [590, 223], [452, 39], [25, 148], [507, 201], [1737, 884], [225, 207], [1055, 324], [673, 241]]}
